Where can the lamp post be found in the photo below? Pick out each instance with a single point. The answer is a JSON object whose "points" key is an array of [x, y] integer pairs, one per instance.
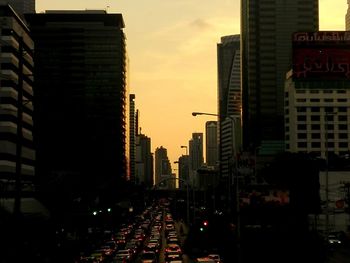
{"points": [[235, 171]]}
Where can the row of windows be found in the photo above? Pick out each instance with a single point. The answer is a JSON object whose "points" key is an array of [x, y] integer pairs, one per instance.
{"points": [[318, 136], [329, 127], [326, 91], [326, 109], [318, 118], [318, 145], [324, 100]]}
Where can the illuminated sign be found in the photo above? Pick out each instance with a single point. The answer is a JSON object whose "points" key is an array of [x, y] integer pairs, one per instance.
{"points": [[323, 55]]}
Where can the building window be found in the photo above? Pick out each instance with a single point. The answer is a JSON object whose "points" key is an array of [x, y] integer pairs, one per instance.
{"points": [[315, 118], [315, 135], [327, 91], [302, 127], [329, 127], [328, 100], [287, 128], [301, 118], [328, 109], [314, 91], [341, 91], [342, 118], [329, 117], [299, 91], [287, 137], [315, 144], [302, 135], [342, 109], [301, 100], [343, 145], [314, 100], [315, 109], [342, 127], [302, 144], [301, 109], [342, 100], [315, 127], [286, 94], [343, 135], [286, 120], [286, 111], [330, 145], [330, 135]]}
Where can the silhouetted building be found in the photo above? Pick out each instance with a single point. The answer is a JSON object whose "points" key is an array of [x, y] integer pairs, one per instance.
{"points": [[21, 6], [211, 143], [183, 168], [196, 156], [80, 99], [162, 165], [229, 100], [266, 33], [17, 151], [143, 161], [132, 137]]}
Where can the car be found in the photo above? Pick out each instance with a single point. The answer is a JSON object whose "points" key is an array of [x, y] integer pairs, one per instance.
{"points": [[333, 240], [122, 256], [173, 248], [216, 257], [205, 260], [173, 257], [149, 257]]}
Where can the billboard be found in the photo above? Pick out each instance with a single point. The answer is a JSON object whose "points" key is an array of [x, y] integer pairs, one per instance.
{"points": [[323, 55]]}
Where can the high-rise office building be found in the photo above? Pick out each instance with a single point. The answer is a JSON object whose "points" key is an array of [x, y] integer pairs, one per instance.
{"points": [[229, 100], [317, 94], [162, 165], [266, 34], [211, 143], [143, 161], [21, 6], [80, 99], [196, 156], [17, 151], [132, 137], [183, 168]]}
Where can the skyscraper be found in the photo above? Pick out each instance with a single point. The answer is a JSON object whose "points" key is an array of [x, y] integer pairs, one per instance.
{"points": [[17, 152], [21, 6], [266, 34], [132, 137], [162, 164], [211, 143], [229, 100], [143, 161], [80, 100], [196, 159]]}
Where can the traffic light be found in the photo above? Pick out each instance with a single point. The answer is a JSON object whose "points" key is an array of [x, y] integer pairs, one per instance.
{"points": [[204, 225]]}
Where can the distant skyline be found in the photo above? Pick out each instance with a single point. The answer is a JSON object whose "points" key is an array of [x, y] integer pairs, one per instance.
{"points": [[172, 51]]}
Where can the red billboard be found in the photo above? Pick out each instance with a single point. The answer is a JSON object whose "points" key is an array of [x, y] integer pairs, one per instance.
{"points": [[323, 55]]}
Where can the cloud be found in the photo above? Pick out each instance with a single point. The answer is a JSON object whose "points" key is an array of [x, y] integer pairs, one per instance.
{"points": [[200, 23]]}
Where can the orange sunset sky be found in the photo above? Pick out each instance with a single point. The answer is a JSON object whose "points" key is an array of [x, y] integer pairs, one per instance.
{"points": [[172, 51]]}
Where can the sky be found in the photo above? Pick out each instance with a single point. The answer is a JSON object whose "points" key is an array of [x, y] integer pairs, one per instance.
{"points": [[171, 46]]}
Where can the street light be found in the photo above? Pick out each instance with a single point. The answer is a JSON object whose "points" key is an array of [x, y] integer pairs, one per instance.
{"points": [[233, 120]]}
